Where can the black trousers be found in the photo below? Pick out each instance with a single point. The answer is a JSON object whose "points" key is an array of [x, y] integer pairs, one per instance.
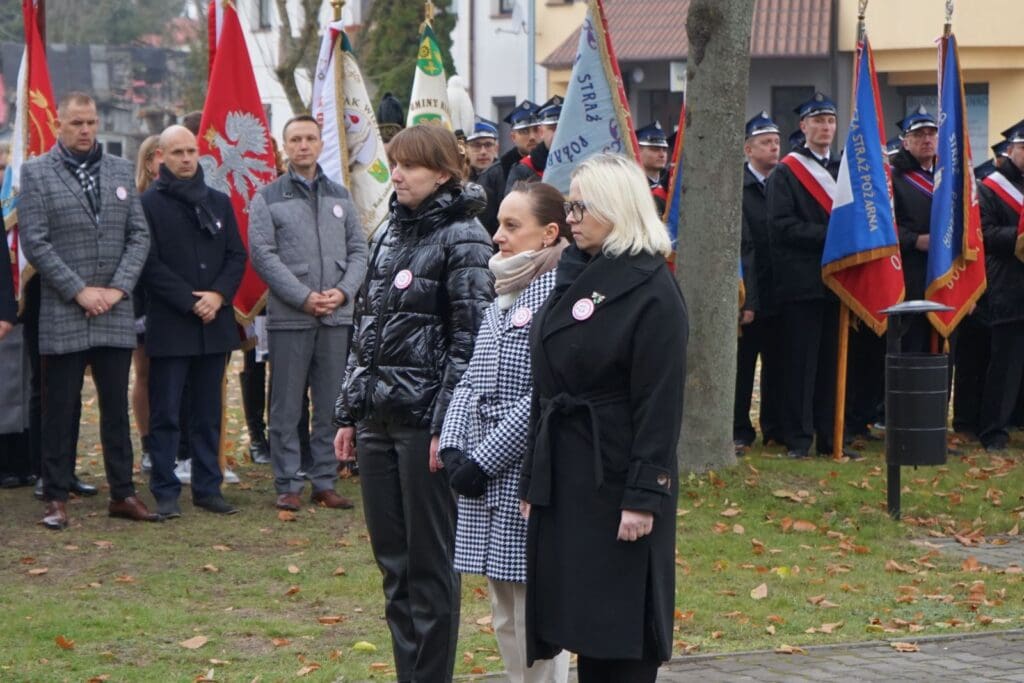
{"points": [[809, 331], [170, 380], [971, 359], [865, 380], [1002, 382], [62, 376], [758, 339], [592, 670], [410, 515]]}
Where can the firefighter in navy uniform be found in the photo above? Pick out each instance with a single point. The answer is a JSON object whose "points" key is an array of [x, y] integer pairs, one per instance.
{"points": [[973, 340], [654, 160], [531, 167], [912, 183], [1001, 196], [485, 170], [759, 317], [798, 192], [523, 139]]}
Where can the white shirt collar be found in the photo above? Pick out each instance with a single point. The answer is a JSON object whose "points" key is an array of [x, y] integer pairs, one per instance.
{"points": [[760, 178]]}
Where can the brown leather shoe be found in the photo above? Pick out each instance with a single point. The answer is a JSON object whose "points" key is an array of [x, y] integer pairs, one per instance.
{"points": [[289, 501], [132, 508], [55, 516], [330, 499]]}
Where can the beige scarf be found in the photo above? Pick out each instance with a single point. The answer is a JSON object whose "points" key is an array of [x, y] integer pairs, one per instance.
{"points": [[513, 274]]}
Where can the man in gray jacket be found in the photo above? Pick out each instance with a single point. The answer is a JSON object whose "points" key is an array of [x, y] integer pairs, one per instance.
{"points": [[83, 229], [306, 242]]}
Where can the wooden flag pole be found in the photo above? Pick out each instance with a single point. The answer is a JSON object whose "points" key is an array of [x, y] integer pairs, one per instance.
{"points": [[839, 417], [839, 424], [339, 99]]}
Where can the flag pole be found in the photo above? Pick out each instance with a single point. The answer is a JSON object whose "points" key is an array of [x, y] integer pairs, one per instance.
{"points": [[839, 417], [339, 98]]}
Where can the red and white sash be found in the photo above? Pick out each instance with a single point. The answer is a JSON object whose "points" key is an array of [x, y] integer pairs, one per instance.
{"points": [[920, 180], [1006, 191], [814, 178]]}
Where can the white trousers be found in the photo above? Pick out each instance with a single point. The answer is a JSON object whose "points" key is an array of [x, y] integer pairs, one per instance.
{"points": [[508, 618]]}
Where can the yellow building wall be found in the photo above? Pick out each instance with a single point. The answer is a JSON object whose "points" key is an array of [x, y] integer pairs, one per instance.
{"points": [[900, 24], [555, 21], [989, 39]]}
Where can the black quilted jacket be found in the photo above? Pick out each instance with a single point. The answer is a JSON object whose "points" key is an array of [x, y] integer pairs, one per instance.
{"points": [[416, 316]]}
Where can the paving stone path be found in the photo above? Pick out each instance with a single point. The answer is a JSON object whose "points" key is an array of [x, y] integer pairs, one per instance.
{"points": [[975, 657]]}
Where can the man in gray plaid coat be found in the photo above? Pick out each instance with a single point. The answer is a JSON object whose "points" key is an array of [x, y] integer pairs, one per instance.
{"points": [[83, 230]]}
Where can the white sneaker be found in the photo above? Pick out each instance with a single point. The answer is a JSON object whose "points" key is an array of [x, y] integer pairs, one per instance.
{"points": [[146, 464], [183, 471], [230, 477]]}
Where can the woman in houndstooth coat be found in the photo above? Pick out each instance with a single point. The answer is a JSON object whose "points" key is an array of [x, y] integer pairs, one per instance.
{"points": [[484, 436]]}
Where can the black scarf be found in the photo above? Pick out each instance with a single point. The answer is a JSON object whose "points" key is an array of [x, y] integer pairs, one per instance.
{"points": [[573, 262], [192, 191], [86, 168]]}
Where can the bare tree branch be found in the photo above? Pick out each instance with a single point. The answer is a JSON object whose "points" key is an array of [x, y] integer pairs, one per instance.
{"points": [[293, 50]]}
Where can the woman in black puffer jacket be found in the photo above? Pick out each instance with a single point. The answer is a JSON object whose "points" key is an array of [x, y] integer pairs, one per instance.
{"points": [[416, 317]]}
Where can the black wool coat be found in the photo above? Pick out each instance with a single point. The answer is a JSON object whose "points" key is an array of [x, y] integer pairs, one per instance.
{"points": [[913, 219], [184, 258], [797, 235], [492, 179], [1005, 272], [607, 406], [754, 247], [8, 308]]}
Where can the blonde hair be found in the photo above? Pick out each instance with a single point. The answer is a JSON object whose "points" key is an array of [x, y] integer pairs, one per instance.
{"points": [[146, 151], [615, 192]]}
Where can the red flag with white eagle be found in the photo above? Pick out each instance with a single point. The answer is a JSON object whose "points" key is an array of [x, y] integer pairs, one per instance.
{"points": [[234, 143]]}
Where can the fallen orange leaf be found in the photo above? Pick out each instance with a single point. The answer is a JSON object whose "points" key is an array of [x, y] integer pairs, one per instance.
{"points": [[760, 593], [194, 643], [64, 643]]}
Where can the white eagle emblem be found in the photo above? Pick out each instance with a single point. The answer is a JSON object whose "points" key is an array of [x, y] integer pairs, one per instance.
{"points": [[242, 148]]}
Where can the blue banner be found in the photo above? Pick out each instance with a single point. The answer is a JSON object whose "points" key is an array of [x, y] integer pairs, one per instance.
{"points": [[861, 261], [594, 112], [956, 261]]}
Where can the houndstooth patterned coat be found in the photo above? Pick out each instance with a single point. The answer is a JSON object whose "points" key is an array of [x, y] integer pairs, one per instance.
{"points": [[487, 419]]}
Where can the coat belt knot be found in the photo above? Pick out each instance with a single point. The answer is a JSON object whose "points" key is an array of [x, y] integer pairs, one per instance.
{"points": [[565, 405]]}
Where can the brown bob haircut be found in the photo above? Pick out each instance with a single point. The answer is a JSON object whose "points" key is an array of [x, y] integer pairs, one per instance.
{"points": [[428, 146]]}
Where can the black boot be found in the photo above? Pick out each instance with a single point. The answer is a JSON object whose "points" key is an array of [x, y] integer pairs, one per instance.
{"points": [[254, 402]]}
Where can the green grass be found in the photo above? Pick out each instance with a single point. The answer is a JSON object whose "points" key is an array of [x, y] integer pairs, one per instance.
{"points": [[128, 605]]}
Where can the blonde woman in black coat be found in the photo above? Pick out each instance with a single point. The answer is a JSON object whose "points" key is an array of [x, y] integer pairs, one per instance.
{"points": [[599, 481]]}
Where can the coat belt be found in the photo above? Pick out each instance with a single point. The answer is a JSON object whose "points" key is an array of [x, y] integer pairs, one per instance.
{"points": [[564, 405]]}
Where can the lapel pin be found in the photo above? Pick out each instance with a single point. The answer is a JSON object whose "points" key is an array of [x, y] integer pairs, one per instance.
{"points": [[403, 279], [521, 317], [597, 297], [121, 193], [337, 211], [582, 309]]}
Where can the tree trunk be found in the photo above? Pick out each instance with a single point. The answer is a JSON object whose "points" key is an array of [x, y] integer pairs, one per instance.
{"points": [[292, 51], [709, 235]]}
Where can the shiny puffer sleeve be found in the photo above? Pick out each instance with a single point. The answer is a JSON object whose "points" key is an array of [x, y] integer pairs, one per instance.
{"points": [[469, 285]]}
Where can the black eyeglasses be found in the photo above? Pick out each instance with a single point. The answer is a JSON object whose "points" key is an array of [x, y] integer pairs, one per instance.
{"points": [[574, 209]]}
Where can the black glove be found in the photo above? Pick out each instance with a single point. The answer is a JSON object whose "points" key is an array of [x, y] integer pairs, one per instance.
{"points": [[452, 459], [468, 479]]}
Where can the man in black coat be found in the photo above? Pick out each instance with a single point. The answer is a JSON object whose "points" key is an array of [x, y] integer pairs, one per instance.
{"points": [[758, 317], [531, 168], [485, 170], [912, 184], [800, 193], [1001, 195], [493, 178], [654, 151], [194, 268], [8, 307]]}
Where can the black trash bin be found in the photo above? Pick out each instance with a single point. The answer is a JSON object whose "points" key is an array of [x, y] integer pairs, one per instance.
{"points": [[916, 386], [915, 408]]}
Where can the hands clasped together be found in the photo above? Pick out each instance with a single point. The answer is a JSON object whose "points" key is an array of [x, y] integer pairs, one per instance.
{"points": [[324, 303]]}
